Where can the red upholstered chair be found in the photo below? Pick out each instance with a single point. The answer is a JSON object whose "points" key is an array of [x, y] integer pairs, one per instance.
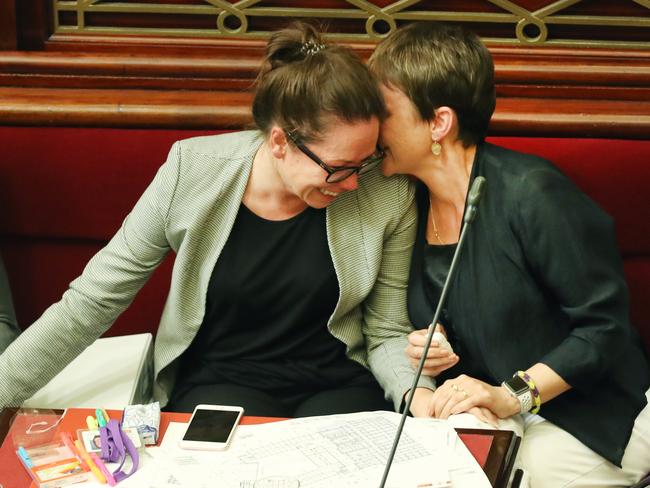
{"points": [[63, 193]]}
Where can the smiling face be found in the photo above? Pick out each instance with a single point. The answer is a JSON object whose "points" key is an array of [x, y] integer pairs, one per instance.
{"points": [[404, 136], [342, 144]]}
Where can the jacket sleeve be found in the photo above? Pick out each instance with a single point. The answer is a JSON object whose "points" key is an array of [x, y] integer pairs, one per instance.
{"points": [[94, 300], [8, 326], [386, 322], [570, 246]]}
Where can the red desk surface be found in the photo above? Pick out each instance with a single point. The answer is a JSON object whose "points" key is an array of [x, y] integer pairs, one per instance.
{"points": [[13, 475]]}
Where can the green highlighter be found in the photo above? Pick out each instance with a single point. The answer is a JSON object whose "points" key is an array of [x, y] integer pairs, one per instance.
{"points": [[100, 418]]}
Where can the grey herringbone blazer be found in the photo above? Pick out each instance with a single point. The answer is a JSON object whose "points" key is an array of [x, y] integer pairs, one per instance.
{"points": [[189, 208]]}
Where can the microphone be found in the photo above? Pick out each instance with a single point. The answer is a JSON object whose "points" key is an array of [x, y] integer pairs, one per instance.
{"points": [[473, 198], [475, 194]]}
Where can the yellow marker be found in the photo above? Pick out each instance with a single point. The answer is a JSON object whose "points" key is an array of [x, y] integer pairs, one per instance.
{"points": [[91, 464], [91, 422], [106, 417]]}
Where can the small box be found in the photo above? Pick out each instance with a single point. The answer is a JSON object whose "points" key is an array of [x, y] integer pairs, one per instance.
{"points": [[42, 450], [145, 418], [52, 465]]}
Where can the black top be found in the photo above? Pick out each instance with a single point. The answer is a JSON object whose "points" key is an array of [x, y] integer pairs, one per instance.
{"points": [[269, 299], [435, 267], [540, 279]]}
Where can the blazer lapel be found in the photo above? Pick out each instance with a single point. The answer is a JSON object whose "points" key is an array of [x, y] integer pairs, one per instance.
{"points": [[420, 310], [345, 235]]}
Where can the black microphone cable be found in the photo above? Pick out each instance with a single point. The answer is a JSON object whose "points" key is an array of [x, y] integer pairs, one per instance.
{"points": [[473, 198]]}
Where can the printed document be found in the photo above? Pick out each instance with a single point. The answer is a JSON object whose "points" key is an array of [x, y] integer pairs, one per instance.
{"points": [[343, 451]]}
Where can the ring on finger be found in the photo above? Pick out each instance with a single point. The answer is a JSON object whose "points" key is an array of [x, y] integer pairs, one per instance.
{"points": [[455, 387]]}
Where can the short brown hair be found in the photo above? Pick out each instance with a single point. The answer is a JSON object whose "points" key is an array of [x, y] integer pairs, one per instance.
{"points": [[304, 82], [438, 65]]}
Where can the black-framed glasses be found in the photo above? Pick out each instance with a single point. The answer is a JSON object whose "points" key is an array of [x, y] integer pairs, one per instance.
{"points": [[338, 173]]}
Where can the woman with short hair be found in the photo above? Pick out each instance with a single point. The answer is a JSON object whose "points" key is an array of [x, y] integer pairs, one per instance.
{"points": [[537, 314]]}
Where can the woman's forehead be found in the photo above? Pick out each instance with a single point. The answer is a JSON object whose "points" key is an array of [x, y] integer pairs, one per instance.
{"points": [[348, 141]]}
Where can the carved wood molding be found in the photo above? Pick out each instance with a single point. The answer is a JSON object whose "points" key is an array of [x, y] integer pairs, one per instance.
{"points": [[533, 67], [124, 108], [542, 91], [220, 110]]}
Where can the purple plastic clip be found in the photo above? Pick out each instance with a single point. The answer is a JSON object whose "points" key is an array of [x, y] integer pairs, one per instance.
{"points": [[115, 447]]}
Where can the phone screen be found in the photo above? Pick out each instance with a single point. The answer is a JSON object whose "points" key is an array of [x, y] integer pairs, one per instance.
{"points": [[211, 425]]}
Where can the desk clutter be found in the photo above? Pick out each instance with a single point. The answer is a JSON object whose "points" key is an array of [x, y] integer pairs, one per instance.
{"points": [[58, 449], [107, 451]]}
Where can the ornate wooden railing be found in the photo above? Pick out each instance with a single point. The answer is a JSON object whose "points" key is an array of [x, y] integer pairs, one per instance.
{"points": [[562, 22]]}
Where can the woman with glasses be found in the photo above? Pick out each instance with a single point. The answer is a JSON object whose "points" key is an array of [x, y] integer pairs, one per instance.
{"points": [[289, 243], [537, 314]]}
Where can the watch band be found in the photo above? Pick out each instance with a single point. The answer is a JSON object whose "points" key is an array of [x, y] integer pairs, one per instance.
{"points": [[525, 402], [537, 398]]}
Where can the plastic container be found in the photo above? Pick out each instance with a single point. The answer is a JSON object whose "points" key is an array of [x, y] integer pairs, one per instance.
{"points": [[43, 452]]}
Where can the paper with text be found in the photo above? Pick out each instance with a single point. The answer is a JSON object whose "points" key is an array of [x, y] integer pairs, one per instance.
{"points": [[346, 451]]}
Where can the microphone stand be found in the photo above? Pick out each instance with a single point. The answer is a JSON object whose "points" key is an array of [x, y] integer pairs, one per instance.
{"points": [[473, 199]]}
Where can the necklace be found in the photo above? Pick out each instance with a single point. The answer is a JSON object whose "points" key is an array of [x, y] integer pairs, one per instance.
{"points": [[433, 221]]}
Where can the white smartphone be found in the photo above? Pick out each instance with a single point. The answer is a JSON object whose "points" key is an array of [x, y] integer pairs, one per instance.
{"points": [[211, 427]]}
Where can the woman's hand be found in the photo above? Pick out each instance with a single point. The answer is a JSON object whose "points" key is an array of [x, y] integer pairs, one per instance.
{"points": [[464, 393], [438, 358], [423, 406]]}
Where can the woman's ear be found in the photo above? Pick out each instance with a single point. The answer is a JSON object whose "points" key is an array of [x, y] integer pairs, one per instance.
{"points": [[278, 142], [443, 123]]}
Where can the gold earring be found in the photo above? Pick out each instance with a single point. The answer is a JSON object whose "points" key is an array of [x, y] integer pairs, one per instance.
{"points": [[436, 148]]}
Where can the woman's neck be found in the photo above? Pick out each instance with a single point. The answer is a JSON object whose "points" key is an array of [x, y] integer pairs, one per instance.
{"points": [[447, 176], [266, 193], [447, 179]]}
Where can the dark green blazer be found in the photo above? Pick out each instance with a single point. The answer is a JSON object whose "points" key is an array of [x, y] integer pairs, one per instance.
{"points": [[541, 280]]}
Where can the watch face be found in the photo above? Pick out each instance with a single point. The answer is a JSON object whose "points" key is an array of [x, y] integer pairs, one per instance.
{"points": [[517, 385]]}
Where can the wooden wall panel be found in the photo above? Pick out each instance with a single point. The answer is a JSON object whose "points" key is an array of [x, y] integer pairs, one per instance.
{"points": [[583, 79], [34, 23], [7, 24]]}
